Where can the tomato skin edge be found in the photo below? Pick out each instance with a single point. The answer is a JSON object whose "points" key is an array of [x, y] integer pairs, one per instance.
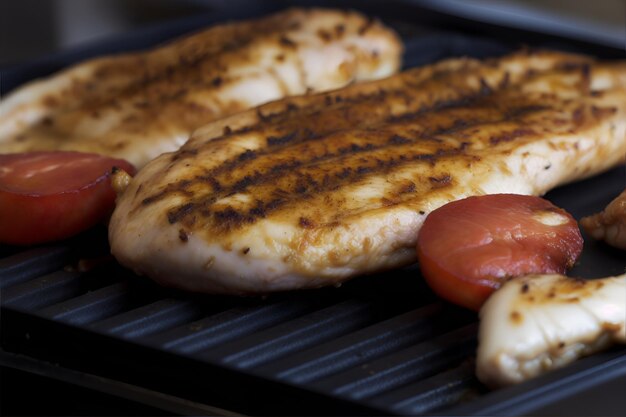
{"points": [[37, 216], [32, 219], [458, 267], [458, 291]]}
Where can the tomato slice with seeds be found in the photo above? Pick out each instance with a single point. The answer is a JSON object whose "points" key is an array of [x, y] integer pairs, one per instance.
{"points": [[466, 249], [47, 196]]}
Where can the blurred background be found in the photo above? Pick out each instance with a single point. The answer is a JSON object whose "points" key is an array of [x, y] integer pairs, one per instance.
{"points": [[32, 28]]}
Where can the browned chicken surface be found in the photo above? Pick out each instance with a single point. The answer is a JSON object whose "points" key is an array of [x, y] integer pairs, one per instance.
{"points": [[610, 224], [310, 191], [139, 105]]}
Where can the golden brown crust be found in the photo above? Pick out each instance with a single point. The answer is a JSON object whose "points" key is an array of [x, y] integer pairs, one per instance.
{"points": [[427, 116], [138, 105]]}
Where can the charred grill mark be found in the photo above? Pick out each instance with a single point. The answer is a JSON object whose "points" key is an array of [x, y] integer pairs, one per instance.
{"points": [[175, 215], [399, 140], [304, 186], [248, 154], [440, 181], [601, 112], [510, 136], [281, 168], [294, 178], [306, 223], [281, 140], [285, 41]]}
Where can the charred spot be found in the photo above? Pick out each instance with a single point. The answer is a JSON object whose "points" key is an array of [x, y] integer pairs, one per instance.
{"points": [[599, 112], [281, 140], [258, 210], [547, 167], [149, 200], [407, 188], [516, 317], [211, 180], [247, 155], [340, 29], [245, 251], [183, 235], [328, 100], [398, 140], [306, 223], [516, 112], [579, 115], [324, 35], [510, 136], [243, 183], [338, 99], [179, 213], [47, 121], [422, 212], [524, 288], [217, 81], [274, 204], [441, 181], [262, 116], [230, 217], [285, 41], [344, 173], [227, 131], [285, 166], [355, 148], [364, 170]]}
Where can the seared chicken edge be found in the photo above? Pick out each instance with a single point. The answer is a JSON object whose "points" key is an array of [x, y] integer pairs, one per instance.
{"points": [[610, 224], [537, 323]]}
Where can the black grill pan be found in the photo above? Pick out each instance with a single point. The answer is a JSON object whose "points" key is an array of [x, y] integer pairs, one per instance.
{"points": [[381, 344]]}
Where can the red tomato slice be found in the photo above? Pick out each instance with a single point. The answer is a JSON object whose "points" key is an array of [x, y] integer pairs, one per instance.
{"points": [[46, 196], [466, 249]]}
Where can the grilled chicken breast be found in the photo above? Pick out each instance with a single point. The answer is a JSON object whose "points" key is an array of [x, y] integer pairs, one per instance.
{"points": [[537, 323], [610, 224], [310, 191], [139, 105]]}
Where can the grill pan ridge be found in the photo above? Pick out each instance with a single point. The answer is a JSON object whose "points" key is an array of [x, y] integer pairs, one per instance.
{"points": [[382, 344]]}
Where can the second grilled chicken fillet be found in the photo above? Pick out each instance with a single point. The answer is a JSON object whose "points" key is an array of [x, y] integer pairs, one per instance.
{"points": [[139, 105], [310, 191]]}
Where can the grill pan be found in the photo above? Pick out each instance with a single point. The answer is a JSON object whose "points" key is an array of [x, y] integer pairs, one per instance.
{"points": [[382, 344]]}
